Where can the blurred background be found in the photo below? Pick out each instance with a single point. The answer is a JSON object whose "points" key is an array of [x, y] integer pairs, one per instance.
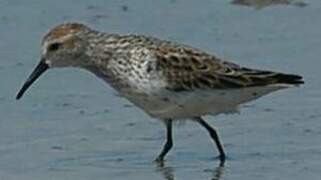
{"points": [[71, 125]]}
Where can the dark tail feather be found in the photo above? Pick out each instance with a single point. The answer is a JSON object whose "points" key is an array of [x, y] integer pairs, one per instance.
{"points": [[288, 79]]}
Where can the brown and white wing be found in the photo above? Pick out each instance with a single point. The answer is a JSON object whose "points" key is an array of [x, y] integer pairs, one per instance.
{"points": [[186, 69]]}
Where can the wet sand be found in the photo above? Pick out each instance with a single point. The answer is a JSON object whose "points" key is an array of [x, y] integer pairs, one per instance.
{"points": [[70, 125]]}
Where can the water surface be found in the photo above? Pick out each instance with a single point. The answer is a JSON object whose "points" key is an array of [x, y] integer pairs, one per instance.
{"points": [[70, 125]]}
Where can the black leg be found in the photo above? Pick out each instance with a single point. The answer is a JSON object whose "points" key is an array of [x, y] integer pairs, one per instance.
{"points": [[169, 142], [214, 136]]}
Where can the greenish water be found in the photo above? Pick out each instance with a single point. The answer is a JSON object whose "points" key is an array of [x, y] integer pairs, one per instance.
{"points": [[70, 125]]}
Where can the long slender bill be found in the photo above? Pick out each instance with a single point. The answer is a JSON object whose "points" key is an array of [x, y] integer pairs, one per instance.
{"points": [[40, 69]]}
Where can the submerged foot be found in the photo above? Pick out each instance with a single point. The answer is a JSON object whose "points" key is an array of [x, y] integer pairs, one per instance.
{"points": [[159, 161], [221, 158]]}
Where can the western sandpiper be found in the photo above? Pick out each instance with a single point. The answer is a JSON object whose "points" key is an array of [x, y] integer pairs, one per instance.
{"points": [[169, 81]]}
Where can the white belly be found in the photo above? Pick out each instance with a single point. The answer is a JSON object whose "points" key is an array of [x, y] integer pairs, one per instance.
{"points": [[182, 105]]}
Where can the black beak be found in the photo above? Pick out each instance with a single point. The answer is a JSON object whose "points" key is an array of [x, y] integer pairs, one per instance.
{"points": [[41, 68]]}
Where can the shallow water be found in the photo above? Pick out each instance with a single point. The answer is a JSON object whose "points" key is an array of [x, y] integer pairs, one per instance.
{"points": [[70, 125]]}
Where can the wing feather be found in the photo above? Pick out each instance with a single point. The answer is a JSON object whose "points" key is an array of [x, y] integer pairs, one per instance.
{"points": [[187, 68]]}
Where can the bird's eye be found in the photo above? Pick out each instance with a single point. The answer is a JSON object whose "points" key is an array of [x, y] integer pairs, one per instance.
{"points": [[54, 46]]}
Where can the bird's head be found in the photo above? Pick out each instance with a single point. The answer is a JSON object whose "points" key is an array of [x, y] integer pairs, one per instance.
{"points": [[61, 47]]}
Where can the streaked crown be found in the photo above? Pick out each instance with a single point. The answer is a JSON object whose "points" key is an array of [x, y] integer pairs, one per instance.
{"points": [[64, 30]]}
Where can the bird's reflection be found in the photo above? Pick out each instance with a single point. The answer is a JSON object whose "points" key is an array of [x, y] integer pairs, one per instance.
{"points": [[218, 173], [168, 172]]}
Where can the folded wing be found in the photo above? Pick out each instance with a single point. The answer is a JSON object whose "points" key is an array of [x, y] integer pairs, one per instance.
{"points": [[188, 68]]}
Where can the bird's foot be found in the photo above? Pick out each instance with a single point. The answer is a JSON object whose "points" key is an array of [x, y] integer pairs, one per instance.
{"points": [[159, 161], [221, 158]]}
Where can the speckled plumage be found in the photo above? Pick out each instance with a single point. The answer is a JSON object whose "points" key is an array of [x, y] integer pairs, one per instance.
{"points": [[167, 80]]}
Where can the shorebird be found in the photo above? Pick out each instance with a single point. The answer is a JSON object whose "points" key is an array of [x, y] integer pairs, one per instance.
{"points": [[169, 81]]}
